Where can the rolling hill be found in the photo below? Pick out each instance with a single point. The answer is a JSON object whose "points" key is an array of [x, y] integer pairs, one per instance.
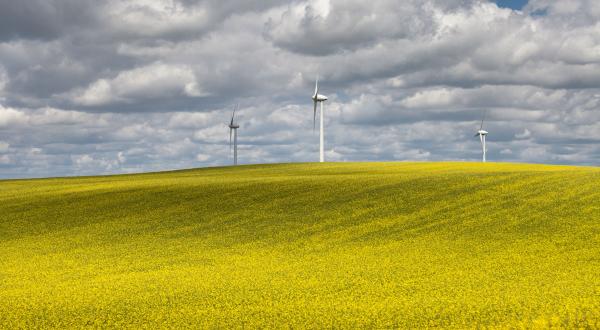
{"points": [[344, 245]]}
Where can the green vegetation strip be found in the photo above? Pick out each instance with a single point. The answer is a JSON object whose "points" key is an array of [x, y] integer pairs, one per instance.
{"points": [[362, 245]]}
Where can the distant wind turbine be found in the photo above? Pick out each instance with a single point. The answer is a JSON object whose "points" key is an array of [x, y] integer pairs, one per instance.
{"points": [[318, 98], [233, 129], [482, 134]]}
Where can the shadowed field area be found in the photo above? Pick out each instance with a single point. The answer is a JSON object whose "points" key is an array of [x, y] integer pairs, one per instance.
{"points": [[305, 245]]}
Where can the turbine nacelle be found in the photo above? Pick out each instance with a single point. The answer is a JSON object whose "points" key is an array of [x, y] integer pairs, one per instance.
{"points": [[319, 98], [234, 126], [481, 132]]}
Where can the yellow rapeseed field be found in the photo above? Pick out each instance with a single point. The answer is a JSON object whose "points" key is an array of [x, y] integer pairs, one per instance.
{"points": [[357, 245]]}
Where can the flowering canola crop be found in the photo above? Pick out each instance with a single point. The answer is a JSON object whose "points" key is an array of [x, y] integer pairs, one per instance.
{"points": [[335, 245]]}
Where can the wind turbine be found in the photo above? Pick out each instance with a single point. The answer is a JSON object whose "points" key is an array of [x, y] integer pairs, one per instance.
{"points": [[233, 128], [318, 98], [482, 134]]}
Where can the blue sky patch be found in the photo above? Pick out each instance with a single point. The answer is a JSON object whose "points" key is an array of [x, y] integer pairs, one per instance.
{"points": [[513, 4]]}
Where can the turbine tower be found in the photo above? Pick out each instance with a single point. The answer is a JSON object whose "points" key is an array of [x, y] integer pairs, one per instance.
{"points": [[318, 98], [233, 128], [482, 134]]}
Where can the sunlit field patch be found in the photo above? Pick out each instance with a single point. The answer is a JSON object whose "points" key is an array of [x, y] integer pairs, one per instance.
{"points": [[377, 245]]}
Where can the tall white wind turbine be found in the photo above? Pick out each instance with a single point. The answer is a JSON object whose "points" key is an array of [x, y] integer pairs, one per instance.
{"points": [[233, 129], [482, 134], [318, 98]]}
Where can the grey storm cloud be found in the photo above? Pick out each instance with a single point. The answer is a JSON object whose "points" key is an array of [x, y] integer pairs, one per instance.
{"points": [[118, 86], [43, 19]]}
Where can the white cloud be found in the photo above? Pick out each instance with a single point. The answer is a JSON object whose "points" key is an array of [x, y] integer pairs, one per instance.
{"points": [[155, 18], [83, 160], [213, 134], [329, 26], [3, 80], [97, 93], [202, 157], [121, 157], [429, 99], [86, 164], [11, 117], [189, 120], [524, 135], [53, 116], [149, 82], [136, 131]]}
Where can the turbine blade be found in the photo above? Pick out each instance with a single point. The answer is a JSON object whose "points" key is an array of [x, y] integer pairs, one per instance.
{"points": [[232, 115], [482, 119], [317, 86]]}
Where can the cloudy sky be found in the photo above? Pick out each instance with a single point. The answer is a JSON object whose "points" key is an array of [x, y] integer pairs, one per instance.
{"points": [[117, 86]]}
